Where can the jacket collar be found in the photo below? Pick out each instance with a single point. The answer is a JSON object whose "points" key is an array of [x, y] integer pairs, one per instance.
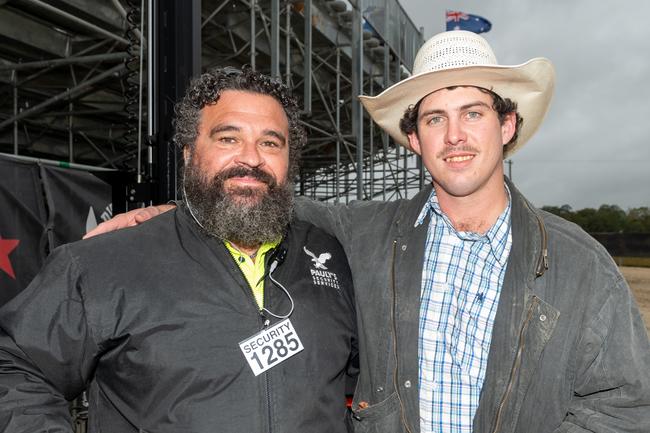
{"points": [[495, 236], [407, 220], [529, 253]]}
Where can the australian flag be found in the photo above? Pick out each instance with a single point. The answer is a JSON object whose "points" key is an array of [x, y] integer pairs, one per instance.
{"points": [[461, 21]]}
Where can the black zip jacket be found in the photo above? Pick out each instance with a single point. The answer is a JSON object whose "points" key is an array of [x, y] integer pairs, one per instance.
{"points": [[151, 319]]}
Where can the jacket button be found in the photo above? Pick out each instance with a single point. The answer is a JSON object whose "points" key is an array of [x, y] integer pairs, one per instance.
{"points": [[407, 384], [542, 318], [380, 389], [403, 247]]}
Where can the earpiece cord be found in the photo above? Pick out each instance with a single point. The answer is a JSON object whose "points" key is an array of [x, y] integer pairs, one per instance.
{"points": [[189, 207], [286, 292]]}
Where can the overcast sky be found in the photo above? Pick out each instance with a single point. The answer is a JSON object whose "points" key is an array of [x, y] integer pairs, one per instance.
{"points": [[594, 146]]}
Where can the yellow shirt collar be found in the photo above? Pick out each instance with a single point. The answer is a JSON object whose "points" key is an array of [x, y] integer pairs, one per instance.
{"points": [[253, 270]]}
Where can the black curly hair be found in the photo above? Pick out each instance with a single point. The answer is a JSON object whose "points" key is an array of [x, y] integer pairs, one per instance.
{"points": [[503, 106], [206, 90]]}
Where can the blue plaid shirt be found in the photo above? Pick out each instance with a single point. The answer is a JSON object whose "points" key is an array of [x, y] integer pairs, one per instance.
{"points": [[461, 281]]}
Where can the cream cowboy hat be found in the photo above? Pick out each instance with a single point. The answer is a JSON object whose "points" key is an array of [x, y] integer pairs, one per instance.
{"points": [[460, 58]]}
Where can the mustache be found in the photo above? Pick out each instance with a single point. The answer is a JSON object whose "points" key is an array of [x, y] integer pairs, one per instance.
{"points": [[255, 173], [444, 153]]}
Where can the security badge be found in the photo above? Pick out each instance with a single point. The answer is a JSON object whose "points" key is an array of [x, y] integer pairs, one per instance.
{"points": [[271, 346]]}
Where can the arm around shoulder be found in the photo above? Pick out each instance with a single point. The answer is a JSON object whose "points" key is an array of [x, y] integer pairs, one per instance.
{"points": [[129, 219], [345, 220]]}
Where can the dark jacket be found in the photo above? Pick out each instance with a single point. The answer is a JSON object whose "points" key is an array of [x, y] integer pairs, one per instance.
{"points": [[151, 318], [569, 350]]}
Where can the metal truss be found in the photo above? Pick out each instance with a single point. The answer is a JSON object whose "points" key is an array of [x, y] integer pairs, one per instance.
{"points": [[64, 80], [61, 83]]}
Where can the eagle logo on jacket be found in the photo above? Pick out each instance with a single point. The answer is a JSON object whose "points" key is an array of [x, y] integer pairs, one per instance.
{"points": [[319, 262]]}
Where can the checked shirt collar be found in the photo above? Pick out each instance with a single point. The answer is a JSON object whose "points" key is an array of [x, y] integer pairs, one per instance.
{"points": [[496, 236]]}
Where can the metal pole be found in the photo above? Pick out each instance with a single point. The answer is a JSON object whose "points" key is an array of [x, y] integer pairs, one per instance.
{"points": [[398, 150], [65, 61], [323, 61], [62, 164], [14, 81], [62, 14], [384, 135], [178, 41], [338, 124], [253, 34], [140, 80], [70, 133], [152, 46], [398, 75], [214, 12], [275, 38], [307, 58], [116, 70], [371, 127], [97, 149], [288, 47], [357, 88]]}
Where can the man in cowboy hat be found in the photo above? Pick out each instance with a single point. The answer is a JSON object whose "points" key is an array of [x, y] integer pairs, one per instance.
{"points": [[477, 311]]}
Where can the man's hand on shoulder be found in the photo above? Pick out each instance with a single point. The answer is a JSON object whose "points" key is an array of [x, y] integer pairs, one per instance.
{"points": [[129, 219]]}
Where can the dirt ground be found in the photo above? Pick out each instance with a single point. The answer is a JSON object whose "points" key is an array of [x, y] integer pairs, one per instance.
{"points": [[639, 281]]}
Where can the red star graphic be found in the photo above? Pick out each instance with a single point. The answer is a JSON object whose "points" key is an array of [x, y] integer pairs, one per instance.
{"points": [[6, 247]]}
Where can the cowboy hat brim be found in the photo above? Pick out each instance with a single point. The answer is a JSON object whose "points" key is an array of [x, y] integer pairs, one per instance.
{"points": [[530, 85]]}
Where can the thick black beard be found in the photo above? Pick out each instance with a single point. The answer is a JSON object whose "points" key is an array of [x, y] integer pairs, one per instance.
{"points": [[246, 217]]}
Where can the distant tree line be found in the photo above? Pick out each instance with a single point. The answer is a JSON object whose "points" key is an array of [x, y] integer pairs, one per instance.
{"points": [[606, 219]]}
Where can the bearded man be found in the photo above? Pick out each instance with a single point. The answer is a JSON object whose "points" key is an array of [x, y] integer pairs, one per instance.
{"points": [[260, 338]]}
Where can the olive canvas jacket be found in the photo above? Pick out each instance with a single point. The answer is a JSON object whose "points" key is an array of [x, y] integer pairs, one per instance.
{"points": [[569, 350]]}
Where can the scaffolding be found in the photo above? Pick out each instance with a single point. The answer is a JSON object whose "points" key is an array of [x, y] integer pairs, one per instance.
{"points": [[74, 82]]}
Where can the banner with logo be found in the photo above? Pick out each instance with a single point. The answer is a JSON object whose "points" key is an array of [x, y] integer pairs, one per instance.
{"points": [[42, 207], [23, 221], [77, 202]]}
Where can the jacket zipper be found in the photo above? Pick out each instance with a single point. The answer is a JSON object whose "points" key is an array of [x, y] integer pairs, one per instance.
{"points": [[394, 326], [265, 324], [516, 364], [268, 386], [267, 321], [542, 266]]}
